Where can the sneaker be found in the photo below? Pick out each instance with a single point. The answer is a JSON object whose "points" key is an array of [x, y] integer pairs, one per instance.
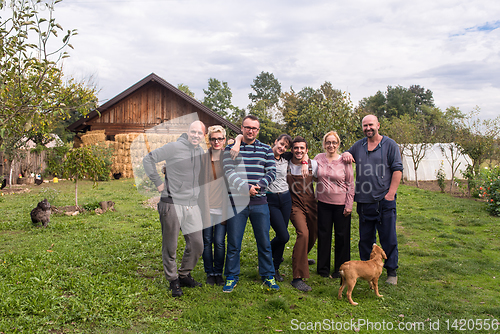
{"points": [[176, 288], [219, 280], [301, 285], [211, 280], [392, 280], [278, 276], [230, 284], [188, 281], [271, 283], [311, 262]]}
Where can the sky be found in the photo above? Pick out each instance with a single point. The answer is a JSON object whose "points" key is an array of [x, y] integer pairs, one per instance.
{"points": [[451, 47]]}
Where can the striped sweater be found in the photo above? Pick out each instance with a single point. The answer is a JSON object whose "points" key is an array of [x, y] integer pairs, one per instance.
{"points": [[254, 166]]}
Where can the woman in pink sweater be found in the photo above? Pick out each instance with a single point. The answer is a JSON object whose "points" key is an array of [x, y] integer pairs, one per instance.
{"points": [[335, 194]]}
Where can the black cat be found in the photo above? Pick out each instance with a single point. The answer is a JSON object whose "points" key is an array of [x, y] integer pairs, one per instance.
{"points": [[41, 214]]}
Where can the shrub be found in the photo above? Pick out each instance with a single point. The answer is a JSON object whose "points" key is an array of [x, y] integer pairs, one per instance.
{"points": [[55, 156], [441, 178], [490, 189]]}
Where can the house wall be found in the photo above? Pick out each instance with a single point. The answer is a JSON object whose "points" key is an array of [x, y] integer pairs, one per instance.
{"points": [[151, 105]]}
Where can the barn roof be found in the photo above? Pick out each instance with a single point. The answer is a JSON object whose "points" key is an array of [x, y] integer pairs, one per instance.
{"points": [[80, 124]]}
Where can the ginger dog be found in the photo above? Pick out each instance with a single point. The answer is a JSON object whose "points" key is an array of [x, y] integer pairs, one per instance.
{"points": [[368, 270]]}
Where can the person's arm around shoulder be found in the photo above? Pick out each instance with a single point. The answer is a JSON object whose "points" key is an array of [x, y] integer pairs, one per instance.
{"points": [[349, 196], [270, 170], [235, 150]]}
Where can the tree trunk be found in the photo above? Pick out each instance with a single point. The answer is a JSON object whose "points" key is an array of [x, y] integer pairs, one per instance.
{"points": [[416, 178], [76, 192], [10, 175]]}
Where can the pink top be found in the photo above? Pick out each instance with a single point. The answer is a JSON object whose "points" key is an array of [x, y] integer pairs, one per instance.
{"points": [[335, 182]]}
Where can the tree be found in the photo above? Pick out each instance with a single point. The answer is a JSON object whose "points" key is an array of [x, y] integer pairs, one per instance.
{"points": [[185, 89], [33, 92], [397, 101], [269, 130], [92, 162], [332, 111], [374, 105], [267, 88], [410, 134], [478, 137], [218, 97]]}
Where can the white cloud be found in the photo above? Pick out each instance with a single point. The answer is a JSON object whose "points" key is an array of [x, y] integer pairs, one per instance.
{"points": [[449, 47]]}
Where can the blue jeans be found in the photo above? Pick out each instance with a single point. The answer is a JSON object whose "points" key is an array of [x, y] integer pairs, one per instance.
{"points": [[215, 234], [280, 207], [259, 217], [381, 217]]}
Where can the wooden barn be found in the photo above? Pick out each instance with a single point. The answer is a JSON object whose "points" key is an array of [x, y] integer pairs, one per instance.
{"points": [[148, 103], [153, 107]]}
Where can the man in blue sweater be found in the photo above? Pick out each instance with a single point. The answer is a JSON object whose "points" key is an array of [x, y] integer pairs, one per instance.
{"points": [[378, 173], [249, 175]]}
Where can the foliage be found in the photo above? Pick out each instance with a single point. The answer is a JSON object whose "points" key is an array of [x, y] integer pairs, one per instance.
{"points": [[33, 93], [185, 89], [311, 113], [92, 162], [441, 177], [267, 88], [103, 273], [328, 112], [397, 101], [269, 130], [218, 97], [490, 189], [54, 157], [478, 138]]}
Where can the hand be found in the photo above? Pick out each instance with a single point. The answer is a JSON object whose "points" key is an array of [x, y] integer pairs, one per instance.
{"points": [[304, 170], [389, 196], [347, 157], [254, 190], [161, 187], [347, 212], [235, 150]]}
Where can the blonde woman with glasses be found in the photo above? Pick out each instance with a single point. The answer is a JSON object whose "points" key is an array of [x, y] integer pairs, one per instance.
{"points": [[335, 194]]}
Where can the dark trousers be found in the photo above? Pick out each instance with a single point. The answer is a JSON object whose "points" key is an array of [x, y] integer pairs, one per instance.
{"points": [[330, 217], [381, 217], [280, 207]]}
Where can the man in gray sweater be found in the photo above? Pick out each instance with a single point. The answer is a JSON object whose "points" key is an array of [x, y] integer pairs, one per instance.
{"points": [[178, 206]]}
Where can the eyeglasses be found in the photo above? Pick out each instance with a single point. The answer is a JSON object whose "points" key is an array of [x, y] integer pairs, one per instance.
{"points": [[333, 143], [217, 139], [249, 128]]}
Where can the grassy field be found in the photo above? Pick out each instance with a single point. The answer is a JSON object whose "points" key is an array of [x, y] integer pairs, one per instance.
{"points": [[103, 274]]}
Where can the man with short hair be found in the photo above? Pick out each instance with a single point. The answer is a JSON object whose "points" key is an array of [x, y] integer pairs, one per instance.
{"points": [[249, 174], [304, 211], [378, 173], [178, 206]]}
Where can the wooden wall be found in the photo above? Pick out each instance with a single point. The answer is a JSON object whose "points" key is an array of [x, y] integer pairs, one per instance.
{"points": [[151, 105]]}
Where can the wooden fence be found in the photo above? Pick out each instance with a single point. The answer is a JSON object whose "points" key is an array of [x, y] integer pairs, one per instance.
{"points": [[30, 163]]}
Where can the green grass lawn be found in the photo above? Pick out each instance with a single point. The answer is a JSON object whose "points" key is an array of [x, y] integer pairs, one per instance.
{"points": [[103, 273]]}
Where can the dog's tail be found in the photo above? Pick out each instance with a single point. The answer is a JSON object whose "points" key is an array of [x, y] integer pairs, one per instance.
{"points": [[342, 277]]}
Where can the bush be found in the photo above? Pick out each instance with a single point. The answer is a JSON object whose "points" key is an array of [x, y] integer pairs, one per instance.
{"points": [[55, 156], [490, 189], [441, 178]]}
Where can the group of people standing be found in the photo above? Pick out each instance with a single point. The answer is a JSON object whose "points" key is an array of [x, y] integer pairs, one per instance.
{"points": [[211, 196]]}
